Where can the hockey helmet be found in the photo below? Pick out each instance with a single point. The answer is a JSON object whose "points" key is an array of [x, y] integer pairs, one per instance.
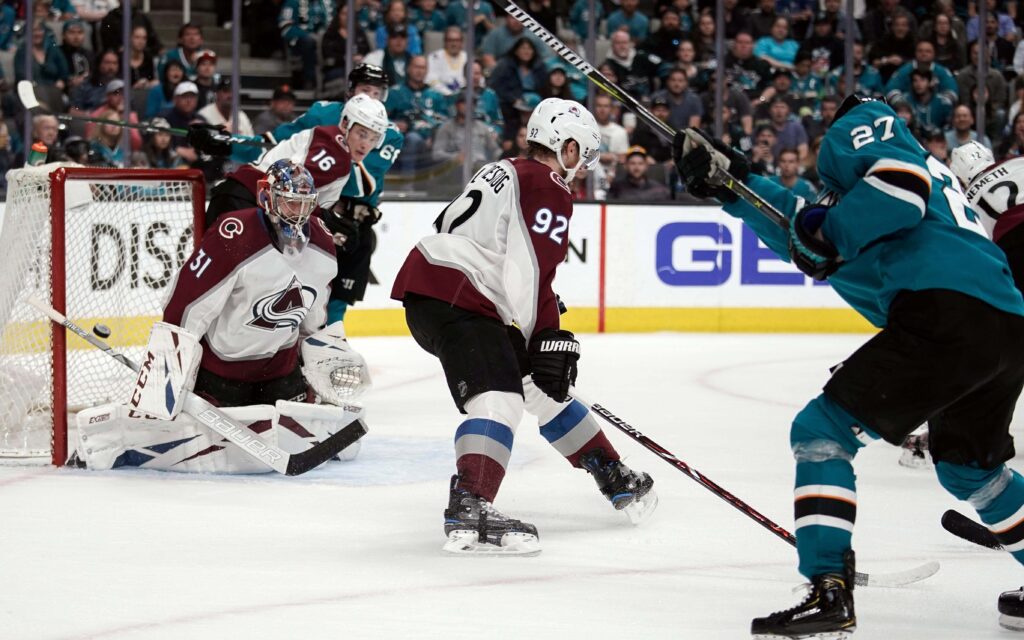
{"points": [[370, 74], [969, 159], [370, 113], [288, 194], [556, 121], [851, 101]]}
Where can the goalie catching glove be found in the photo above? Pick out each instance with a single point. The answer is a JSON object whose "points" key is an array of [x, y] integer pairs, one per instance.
{"points": [[553, 357], [168, 371], [337, 373]]}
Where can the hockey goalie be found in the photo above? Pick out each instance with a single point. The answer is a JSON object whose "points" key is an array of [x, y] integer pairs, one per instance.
{"points": [[242, 310]]}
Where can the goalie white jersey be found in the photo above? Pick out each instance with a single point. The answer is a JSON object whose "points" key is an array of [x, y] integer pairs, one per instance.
{"points": [[497, 246], [249, 302], [996, 196]]}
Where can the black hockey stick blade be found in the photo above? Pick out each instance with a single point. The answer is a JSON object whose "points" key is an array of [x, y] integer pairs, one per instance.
{"points": [[300, 463], [963, 527]]}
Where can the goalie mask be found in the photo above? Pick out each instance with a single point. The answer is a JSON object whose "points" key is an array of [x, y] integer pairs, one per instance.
{"points": [[288, 195], [556, 121]]}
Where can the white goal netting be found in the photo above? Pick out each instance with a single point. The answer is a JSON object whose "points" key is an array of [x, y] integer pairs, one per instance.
{"points": [[121, 237]]}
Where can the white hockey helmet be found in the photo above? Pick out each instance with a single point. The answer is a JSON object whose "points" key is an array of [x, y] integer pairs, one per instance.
{"points": [[556, 121], [970, 159], [364, 110]]}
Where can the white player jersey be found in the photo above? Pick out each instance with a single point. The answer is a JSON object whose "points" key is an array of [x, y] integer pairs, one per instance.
{"points": [[249, 302], [995, 195], [497, 246]]}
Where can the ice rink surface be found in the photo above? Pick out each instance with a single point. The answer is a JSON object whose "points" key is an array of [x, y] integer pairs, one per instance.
{"points": [[352, 550]]}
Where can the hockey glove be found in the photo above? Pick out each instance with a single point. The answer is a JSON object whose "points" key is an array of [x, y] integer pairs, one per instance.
{"points": [[553, 357], [342, 226], [209, 139], [698, 158], [811, 251]]}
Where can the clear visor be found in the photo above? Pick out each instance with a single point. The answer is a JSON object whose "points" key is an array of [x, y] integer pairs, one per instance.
{"points": [[292, 208], [591, 158], [363, 134]]}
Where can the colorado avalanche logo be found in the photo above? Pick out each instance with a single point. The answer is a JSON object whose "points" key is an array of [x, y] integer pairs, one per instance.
{"points": [[283, 309], [574, 110]]}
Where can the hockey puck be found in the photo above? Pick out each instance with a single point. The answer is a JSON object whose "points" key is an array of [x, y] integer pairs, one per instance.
{"points": [[101, 330]]}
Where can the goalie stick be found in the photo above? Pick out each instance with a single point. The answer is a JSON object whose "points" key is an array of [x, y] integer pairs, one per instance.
{"points": [[27, 95], [667, 132], [290, 464], [895, 579], [963, 527]]}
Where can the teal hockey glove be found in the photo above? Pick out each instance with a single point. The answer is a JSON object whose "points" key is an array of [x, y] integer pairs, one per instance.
{"points": [[810, 251]]}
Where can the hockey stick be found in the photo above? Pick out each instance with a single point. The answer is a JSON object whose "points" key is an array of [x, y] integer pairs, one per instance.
{"points": [[660, 127], [896, 579], [963, 527], [290, 464], [27, 95]]}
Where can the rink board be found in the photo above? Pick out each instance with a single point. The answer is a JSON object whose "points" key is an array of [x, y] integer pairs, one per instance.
{"points": [[630, 268]]}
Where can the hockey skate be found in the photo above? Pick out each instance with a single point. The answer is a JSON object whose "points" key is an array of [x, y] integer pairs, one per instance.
{"points": [[1011, 610], [914, 452], [628, 491], [475, 527], [826, 611]]}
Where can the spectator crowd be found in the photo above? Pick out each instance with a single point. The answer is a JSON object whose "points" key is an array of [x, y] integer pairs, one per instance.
{"points": [[783, 75]]}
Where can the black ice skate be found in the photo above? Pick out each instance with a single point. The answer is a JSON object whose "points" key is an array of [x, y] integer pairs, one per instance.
{"points": [[474, 526], [826, 612], [1011, 610], [627, 490]]}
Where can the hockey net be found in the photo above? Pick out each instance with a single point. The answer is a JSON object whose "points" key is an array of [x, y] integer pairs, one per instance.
{"points": [[102, 246]]}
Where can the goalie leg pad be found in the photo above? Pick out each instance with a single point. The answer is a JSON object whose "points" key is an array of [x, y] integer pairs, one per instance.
{"points": [[337, 372], [112, 436], [168, 371], [300, 425]]}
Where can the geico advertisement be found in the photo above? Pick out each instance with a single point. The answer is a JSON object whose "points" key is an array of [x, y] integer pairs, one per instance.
{"points": [[404, 223], [664, 256]]}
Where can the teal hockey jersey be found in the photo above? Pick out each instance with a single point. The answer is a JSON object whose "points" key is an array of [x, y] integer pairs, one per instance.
{"points": [[378, 162], [901, 222]]}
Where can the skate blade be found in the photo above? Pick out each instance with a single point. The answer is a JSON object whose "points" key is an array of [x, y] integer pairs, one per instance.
{"points": [[1013, 623], [639, 510], [467, 543], [909, 460], [824, 635]]}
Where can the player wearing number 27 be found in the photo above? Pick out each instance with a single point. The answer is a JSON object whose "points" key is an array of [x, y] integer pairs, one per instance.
{"points": [[478, 295], [895, 238]]}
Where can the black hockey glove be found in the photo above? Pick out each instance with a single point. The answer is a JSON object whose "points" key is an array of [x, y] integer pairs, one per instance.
{"points": [[696, 164], [553, 357], [811, 251], [209, 139], [342, 225]]}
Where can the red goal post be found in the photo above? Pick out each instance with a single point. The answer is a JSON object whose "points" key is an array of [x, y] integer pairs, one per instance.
{"points": [[104, 246]]}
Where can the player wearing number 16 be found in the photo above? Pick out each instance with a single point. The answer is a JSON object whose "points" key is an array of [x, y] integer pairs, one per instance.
{"points": [[478, 296], [896, 239]]}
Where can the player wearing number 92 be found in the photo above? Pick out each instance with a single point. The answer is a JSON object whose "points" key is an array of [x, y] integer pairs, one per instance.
{"points": [[897, 241], [478, 295]]}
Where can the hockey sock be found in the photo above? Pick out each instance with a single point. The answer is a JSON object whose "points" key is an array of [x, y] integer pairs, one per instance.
{"points": [[483, 442], [824, 439], [996, 494], [574, 432], [336, 310]]}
